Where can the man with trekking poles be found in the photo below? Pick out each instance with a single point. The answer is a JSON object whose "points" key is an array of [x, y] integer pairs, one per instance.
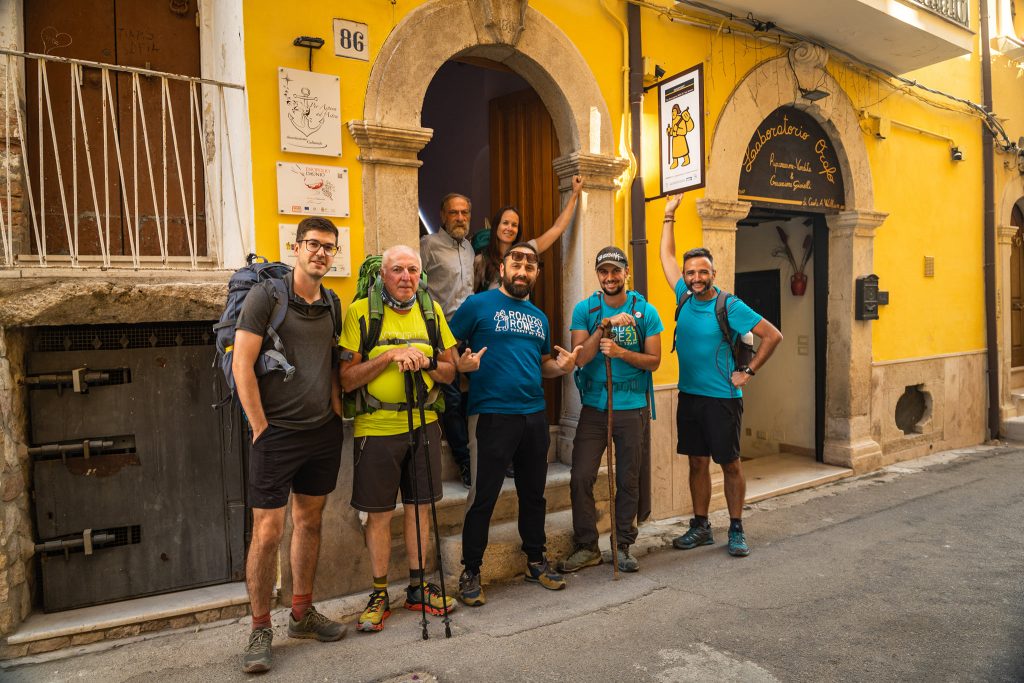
{"points": [[619, 335], [396, 351]]}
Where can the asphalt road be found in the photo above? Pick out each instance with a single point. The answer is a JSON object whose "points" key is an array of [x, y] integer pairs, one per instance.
{"points": [[912, 573]]}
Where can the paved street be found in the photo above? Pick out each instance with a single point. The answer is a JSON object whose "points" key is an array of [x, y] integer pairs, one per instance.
{"points": [[911, 573]]}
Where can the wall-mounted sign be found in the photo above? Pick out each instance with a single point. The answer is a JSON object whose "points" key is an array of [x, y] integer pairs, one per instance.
{"points": [[342, 266], [681, 131], [310, 112], [351, 39], [790, 161], [311, 190]]}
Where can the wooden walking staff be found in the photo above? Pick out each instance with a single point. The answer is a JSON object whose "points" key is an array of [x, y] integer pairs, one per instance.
{"points": [[611, 457]]}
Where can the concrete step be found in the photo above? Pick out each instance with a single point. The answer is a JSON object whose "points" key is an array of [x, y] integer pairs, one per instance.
{"points": [[1012, 429]]}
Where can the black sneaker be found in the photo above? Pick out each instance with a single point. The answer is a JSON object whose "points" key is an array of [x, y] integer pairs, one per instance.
{"points": [[317, 626], [257, 653], [466, 476], [699, 534]]}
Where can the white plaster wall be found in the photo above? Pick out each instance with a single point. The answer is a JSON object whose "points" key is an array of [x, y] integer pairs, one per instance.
{"points": [[779, 402]]}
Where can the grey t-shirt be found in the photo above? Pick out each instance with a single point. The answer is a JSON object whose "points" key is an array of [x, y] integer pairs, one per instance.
{"points": [[307, 334]]}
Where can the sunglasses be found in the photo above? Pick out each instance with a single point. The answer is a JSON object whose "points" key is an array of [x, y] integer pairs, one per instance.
{"points": [[520, 256]]}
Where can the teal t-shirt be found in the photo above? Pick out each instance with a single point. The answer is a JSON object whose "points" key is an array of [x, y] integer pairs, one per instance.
{"points": [[516, 335], [629, 383], [705, 359]]}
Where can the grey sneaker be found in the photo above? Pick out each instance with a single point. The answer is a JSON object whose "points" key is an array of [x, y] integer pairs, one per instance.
{"points": [[582, 556], [317, 626], [257, 653], [698, 534], [627, 563], [470, 591]]}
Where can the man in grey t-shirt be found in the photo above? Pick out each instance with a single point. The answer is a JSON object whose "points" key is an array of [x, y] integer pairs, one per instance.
{"points": [[297, 434]]}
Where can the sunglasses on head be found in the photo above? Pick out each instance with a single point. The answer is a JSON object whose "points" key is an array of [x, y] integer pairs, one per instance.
{"points": [[520, 256]]}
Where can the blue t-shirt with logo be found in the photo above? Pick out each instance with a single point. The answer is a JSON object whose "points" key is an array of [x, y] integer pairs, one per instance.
{"points": [[516, 335], [629, 383], [705, 359]]}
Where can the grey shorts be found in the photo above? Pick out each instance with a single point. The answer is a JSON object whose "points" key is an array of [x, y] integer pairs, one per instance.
{"points": [[383, 467]]}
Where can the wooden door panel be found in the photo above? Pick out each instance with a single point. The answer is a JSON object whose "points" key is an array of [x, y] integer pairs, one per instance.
{"points": [[523, 148], [1017, 290]]}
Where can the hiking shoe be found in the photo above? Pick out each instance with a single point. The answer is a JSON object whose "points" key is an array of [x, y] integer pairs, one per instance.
{"points": [[435, 604], [466, 476], [697, 535], [510, 472], [315, 625], [738, 544], [470, 591], [542, 573], [257, 653], [377, 610], [626, 562], [582, 556]]}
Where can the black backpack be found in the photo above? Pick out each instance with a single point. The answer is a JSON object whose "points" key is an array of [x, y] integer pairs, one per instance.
{"points": [[742, 347], [272, 356]]}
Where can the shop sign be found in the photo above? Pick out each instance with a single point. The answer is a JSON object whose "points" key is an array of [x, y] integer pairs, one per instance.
{"points": [[342, 266], [790, 161], [681, 131], [310, 106], [311, 190], [351, 39]]}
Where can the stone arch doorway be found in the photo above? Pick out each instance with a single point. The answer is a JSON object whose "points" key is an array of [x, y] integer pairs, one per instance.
{"points": [[773, 84], [1010, 236], [390, 135]]}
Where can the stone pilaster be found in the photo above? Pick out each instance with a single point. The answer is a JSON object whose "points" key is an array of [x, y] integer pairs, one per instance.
{"points": [[390, 184], [1005, 236], [718, 220], [848, 440]]}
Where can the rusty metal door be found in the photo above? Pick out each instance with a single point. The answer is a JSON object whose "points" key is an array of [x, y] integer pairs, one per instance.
{"points": [[137, 481]]}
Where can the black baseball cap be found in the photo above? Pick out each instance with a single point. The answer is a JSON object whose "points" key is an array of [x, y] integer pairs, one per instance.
{"points": [[612, 255]]}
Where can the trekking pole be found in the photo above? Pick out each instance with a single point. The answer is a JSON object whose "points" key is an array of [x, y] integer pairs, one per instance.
{"points": [[421, 386], [611, 460], [416, 497]]}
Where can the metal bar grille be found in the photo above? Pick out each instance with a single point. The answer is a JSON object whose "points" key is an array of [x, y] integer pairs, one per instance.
{"points": [[957, 11], [117, 337], [120, 170]]}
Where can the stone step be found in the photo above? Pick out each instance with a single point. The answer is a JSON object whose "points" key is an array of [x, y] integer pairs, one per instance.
{"points": [[1012, 429]]}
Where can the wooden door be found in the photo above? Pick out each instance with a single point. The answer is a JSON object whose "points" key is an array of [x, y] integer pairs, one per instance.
{"points": [[1017, 290], [139, 33], [523, 147]]}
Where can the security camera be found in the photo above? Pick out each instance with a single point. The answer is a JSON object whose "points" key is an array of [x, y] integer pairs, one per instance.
{"points": [[956, 154]]}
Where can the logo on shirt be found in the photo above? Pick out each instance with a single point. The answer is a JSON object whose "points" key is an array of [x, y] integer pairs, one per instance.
{"points": [[518, 322]]}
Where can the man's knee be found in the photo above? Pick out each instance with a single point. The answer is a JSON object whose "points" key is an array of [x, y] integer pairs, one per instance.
{"points": [[732, 469], [378, 520], [699, 464], [267, 526]]}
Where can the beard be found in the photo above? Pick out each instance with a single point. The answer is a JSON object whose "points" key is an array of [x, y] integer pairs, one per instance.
{"points": [[519, 288], [457, 231], [613, 290]]}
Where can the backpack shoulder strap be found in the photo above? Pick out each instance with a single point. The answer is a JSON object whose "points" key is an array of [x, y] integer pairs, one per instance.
{"points": [[280, 310], [594, 305], [722, 314], [429, 318], [683, 298]]}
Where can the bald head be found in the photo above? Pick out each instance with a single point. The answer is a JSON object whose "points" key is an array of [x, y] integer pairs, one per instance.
{"points": [[400, 269], [391, 253]]}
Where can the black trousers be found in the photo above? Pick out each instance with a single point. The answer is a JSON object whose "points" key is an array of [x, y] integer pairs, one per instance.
{"points": [[503, 439]]}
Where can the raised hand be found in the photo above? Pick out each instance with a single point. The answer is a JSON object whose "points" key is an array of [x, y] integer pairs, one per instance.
{"points": [[469, 361], [672, 204], [577, 184], [564, 360]]}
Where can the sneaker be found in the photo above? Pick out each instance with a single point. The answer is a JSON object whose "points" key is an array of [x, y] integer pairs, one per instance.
{"points": [[466, 476], [257, 653], [697, 535], [626, 562], [582, 556], [738, 544], [470, 591], [510, 472], [317, 626], [435, 604], [377, 610], [542, 573]]}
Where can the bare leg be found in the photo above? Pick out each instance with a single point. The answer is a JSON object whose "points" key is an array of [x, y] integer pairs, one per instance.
{"points": [[410, 534], [378, 541], [735, 488], [307, 512], [700, 484], [260, 566]]}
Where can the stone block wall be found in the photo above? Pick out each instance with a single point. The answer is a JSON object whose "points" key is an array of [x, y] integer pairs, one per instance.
{"points": [[17, 575]]}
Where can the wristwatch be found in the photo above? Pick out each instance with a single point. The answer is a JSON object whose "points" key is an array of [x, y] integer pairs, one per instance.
{"points": [[746, 369], [433, 363]]}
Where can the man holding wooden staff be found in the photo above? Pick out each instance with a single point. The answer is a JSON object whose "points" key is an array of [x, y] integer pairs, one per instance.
{"points": [[615, 328]]}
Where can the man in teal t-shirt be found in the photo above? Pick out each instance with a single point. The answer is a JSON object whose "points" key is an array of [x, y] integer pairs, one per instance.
{"points": [[619, 325], [710, 410]]}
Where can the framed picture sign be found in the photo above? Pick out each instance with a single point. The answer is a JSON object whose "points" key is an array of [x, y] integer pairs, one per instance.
{"points": [[681, 131]]}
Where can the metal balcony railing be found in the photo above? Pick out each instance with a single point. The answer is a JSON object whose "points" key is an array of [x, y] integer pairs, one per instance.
{"points": [[957, 11], [110, 166]]}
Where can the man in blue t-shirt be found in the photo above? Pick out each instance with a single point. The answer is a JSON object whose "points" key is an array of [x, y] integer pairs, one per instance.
{"points": [[506, 395], [620, 326], [710, 406]]}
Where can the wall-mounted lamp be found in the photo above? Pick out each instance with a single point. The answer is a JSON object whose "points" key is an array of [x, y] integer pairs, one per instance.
{"points": [[814, 94], [956, 154], [311, 42], [658, 71]]}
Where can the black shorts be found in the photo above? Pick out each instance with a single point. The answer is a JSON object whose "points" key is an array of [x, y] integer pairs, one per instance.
{"points": [[383, 467], [305, 461], [708, 426]]}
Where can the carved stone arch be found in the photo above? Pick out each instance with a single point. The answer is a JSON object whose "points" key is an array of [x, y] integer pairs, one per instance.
{"points": [[770, 85], [1006, 234]]}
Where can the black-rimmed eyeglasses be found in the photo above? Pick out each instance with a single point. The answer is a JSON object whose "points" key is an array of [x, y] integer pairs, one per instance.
{"points": [[313, 246]]}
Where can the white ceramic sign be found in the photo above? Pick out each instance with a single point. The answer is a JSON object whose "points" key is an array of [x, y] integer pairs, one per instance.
{"points": [[312, 190], [310, 112]]}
